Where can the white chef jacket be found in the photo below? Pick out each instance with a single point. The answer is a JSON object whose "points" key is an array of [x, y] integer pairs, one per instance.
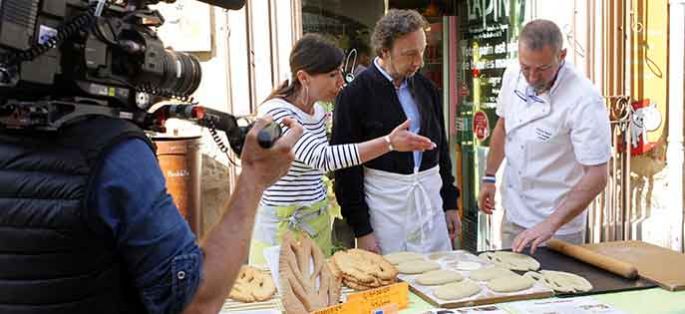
{"points": [[549, 137]]}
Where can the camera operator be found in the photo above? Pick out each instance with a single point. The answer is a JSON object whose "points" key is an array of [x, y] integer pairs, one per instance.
{"points": [[87, 225]]}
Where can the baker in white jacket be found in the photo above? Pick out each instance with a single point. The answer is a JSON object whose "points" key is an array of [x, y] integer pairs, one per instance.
{"points": [[553, 129]]}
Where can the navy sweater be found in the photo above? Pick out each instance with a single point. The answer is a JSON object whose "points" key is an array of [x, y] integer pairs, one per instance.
{"points": [[369, 108]]}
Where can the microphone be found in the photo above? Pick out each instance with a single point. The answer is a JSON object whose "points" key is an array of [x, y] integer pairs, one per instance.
{"points": [[226, 4]]}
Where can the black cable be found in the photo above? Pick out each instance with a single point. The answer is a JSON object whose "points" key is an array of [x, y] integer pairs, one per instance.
{"points": [[64, 31], [220, 143]]}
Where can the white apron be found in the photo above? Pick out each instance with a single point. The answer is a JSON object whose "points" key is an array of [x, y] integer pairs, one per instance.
{"points": [[406, 210]]}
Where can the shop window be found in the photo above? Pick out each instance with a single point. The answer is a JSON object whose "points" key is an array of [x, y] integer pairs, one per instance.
{"points": [[349, 23]]}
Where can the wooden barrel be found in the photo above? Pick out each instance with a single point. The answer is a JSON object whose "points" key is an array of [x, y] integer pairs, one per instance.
{"points": [[181, 163]]}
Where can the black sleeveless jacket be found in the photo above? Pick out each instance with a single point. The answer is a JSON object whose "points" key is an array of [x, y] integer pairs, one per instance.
{"points": [[51, 260]]}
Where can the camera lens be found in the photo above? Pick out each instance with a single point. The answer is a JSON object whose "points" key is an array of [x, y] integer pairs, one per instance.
{"points": [[182, 73]]}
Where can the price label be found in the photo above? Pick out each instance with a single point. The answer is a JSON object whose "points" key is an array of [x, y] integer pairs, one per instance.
{"points": [[384, 297], [385, 300]]}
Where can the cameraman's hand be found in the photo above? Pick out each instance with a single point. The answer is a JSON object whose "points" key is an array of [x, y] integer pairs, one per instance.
{"points": [[224, 246], [263, 167]]}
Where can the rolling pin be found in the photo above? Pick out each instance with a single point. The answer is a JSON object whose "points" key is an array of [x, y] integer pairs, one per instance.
{"points": [[610, 264]]}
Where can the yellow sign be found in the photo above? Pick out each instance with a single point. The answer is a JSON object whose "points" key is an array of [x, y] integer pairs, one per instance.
{"points": [[348, 307], [397, 294], [384, 300], [649, 70]]}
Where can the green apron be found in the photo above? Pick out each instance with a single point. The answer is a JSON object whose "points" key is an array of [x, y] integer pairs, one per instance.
{"points": [[272, 223]]}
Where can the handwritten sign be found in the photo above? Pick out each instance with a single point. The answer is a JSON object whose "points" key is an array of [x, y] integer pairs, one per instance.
{"points": [[385, 300], [397, 294], [348, 307]]}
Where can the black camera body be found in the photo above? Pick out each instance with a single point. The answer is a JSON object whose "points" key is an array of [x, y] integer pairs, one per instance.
{"points": [[63, 60], [113, 55]]}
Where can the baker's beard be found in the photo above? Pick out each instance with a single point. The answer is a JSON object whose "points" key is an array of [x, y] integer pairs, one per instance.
{"points": [[541, 88]]}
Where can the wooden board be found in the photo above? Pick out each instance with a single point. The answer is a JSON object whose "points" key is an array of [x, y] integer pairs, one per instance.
{"points": [[660, 265], [484, 300], [448, 260], [602, 281]]}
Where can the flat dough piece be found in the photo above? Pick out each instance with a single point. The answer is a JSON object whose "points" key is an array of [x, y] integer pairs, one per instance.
{"points": [[510, 283], [417, 267], [252, 285], [439, 255], [511, 260], [490, 273], [438, 277], [561, 281], [400, 257], [466, 265], [457, 290]]}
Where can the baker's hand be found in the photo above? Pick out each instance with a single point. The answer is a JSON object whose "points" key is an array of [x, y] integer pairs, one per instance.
{"points": [[369, 243], [265, 166], [453, 223], [403, 140], [486, 199], [534, 237]]}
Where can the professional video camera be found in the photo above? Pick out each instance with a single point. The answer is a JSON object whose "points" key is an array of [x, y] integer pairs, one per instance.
{"points": [[62, 60]]}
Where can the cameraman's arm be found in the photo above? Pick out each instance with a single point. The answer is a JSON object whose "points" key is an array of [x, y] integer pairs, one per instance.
{"points": [[226, 246]]}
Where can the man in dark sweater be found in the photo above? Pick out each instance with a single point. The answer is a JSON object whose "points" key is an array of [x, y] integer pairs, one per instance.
{"points": [[399, 201]]}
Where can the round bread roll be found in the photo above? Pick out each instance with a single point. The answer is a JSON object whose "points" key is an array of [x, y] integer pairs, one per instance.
{"points": [[400, 257], [466, 265], [457, 290], [441, 254], [417, 267], [510, 283], [438, 277], [487, 274]]}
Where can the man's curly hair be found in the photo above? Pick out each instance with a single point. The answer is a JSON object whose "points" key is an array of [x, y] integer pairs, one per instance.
{"points": [[395, 24]]}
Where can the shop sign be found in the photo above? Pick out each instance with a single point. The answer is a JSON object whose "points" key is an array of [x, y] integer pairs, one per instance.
{"points": [[487, 10]]}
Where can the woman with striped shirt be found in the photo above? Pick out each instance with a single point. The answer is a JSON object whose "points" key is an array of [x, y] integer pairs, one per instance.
{"points": [[298, 200]]}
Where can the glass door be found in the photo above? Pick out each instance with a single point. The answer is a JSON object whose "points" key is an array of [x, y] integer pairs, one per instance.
{"points": [[487, 43]]}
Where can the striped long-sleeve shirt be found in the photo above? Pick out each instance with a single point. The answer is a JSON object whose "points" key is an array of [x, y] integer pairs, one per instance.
{"points": [[303, 184]]}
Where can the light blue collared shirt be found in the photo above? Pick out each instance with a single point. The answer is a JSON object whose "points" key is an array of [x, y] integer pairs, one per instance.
{"points": [[411, 110]]}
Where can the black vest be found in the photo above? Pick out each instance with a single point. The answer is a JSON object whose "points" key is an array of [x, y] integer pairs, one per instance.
{"points": [[51, 259]]}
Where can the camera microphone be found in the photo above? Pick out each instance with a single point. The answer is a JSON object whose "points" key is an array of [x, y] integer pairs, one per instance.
{"points": [[226, 4]]}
